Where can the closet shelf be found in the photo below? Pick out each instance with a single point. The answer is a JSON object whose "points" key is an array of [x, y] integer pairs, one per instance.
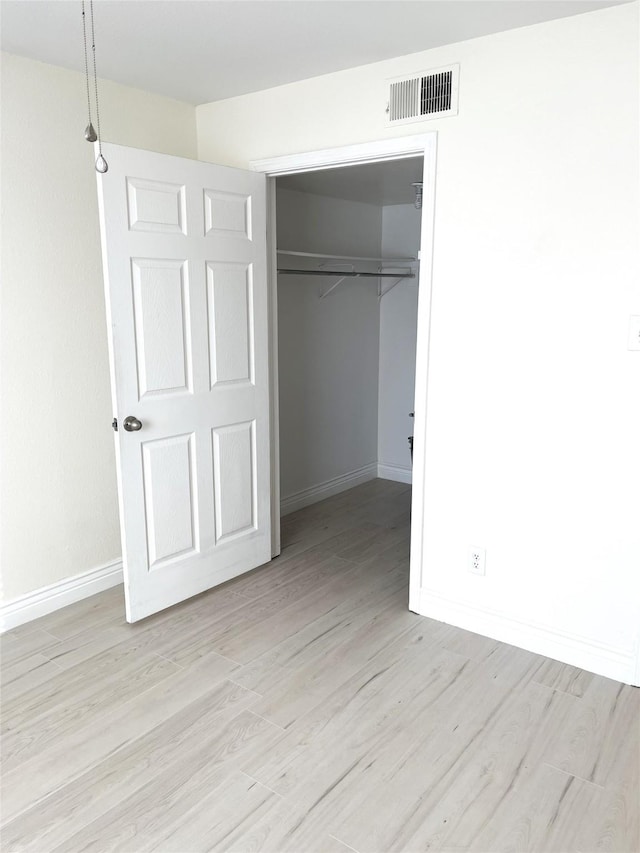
{"points": [[343, 275], [339, 261], [344, 257]]}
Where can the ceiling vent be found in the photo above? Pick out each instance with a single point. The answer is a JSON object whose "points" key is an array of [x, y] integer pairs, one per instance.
{"points": [[421, 96]]}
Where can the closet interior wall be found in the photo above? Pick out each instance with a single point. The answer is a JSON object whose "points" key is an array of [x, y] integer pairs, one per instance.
{"points": [[397, 353], [327, 350], [346, 362]]}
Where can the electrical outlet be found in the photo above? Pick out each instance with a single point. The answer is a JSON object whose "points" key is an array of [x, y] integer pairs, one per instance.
{"points": [[476, 561]]}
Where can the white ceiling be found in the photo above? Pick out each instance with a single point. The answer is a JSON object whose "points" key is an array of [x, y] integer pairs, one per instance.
{"points": [[372, 183], [206, 50]]}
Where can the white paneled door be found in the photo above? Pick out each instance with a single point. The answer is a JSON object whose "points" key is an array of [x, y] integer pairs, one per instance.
{"points": [[184, 250]]}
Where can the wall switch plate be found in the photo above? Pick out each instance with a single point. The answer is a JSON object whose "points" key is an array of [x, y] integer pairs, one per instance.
{"points": [[476, 562], [634, 333]]}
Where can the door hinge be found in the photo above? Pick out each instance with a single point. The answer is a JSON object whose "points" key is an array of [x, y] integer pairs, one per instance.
{"points": [[114, 424]]}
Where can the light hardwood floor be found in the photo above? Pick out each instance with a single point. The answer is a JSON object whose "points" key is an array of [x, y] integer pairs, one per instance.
{"points": [[302, 707]]}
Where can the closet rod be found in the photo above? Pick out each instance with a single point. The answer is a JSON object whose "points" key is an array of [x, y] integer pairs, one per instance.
{"points": [[350, 274], [340, 257]]}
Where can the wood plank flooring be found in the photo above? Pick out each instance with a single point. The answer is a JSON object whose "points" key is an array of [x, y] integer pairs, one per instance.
{"points": [[302, 707]]}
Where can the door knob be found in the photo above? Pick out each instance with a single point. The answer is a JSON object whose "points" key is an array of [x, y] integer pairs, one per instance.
{"points": [[131, 424]]}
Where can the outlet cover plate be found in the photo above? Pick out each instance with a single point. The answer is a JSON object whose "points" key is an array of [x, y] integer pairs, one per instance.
{"points": [[476, 561]]}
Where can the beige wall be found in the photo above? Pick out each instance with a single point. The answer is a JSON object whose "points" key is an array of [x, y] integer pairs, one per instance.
{"points": [[534, 410], [59, 514]]}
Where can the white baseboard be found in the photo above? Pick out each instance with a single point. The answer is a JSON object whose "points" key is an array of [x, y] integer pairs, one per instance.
{"points": [[312, 495], [619, 664], [45, 600], [394, 472]]}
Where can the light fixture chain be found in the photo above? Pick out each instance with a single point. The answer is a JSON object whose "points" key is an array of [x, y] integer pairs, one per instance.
{"points": [[101, 163], [95, 79], [86, 62]]}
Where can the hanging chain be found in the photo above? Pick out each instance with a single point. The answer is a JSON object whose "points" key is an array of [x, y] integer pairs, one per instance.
{"points": [[89, 134], [95, 78]]}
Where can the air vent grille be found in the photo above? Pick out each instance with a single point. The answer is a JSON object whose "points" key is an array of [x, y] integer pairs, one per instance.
{"points": [[425, 95]]}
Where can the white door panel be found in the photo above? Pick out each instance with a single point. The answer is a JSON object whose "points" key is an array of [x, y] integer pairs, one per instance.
{"points": [[234, 467], [184, 248], [230, 314], [162, 326]]}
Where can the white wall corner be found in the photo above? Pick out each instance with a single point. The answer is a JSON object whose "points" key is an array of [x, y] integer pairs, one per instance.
{"points": [[306, 497], [47, 599], [394, 472], [619, 664]]}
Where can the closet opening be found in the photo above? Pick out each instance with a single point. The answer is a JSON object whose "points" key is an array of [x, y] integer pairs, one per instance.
{"points": [[348, 255]]}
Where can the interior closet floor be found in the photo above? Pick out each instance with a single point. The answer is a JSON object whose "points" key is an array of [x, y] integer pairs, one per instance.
{"points": [[302, 707]]}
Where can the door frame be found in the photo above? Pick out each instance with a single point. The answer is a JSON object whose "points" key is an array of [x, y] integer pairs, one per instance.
{"points": [[399, 148]]}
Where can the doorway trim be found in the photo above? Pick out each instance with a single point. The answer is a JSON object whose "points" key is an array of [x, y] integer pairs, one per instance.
{"points": [[424, 145]]}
